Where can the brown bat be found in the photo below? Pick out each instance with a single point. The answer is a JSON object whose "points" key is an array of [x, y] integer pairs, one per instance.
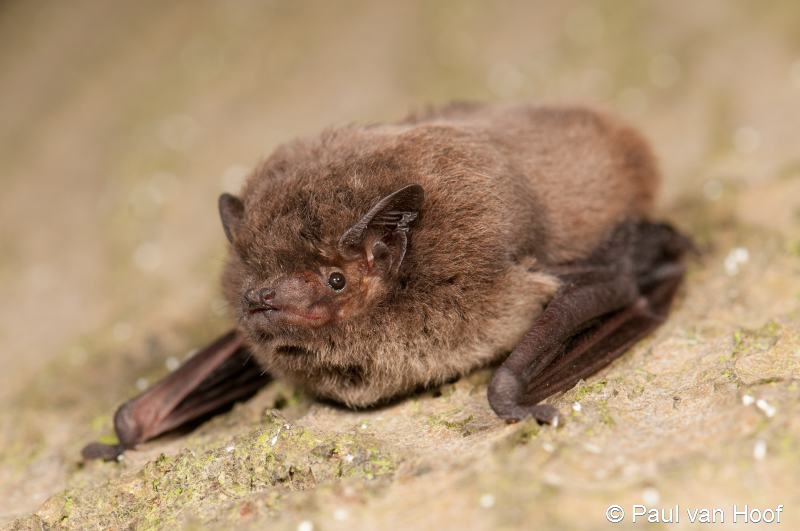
{"points": [[372, 261]]}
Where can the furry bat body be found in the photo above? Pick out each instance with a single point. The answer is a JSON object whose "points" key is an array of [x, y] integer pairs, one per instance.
{"points": [[371, 261]]}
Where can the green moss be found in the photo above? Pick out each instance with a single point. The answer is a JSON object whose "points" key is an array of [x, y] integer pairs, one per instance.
{"points": [[746, 342], [604, 414], [737, 339], [380, 465], [460, 425], [198, 483], [66, 510], [636, 390], [589, 389]]}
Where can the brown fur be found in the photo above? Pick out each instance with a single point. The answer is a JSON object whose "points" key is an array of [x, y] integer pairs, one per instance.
{"points": [[509, 191]]}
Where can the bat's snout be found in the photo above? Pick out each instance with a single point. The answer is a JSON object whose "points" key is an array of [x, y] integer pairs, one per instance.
{"points": [[255, 300], [294, 299]]}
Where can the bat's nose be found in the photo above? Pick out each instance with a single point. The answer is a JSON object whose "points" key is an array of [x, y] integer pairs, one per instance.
{"points": [[266, 294], [258, 299]]}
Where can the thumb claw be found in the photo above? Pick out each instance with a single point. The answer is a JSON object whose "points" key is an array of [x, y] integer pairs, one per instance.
{"points": [[106, 452]]}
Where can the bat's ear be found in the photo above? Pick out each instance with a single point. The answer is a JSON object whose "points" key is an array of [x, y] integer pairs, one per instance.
{"points": [[231, 211], [390, 220]]}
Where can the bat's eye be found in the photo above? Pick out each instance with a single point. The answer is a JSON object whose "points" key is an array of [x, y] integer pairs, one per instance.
{"points": [[337, 281]]}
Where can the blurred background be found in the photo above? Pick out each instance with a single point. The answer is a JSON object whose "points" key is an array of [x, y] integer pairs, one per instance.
{"points": [[121, 123]]}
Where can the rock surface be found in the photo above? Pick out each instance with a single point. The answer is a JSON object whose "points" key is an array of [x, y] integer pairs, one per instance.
{"points": [[119, 130]]}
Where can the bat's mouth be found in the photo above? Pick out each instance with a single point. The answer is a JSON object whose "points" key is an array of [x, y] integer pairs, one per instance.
{"points": [[274, 315], [264, 309], [293, 350]]}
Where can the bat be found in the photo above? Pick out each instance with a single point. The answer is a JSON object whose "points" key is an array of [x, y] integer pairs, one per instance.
{"points": [[371, 261]]}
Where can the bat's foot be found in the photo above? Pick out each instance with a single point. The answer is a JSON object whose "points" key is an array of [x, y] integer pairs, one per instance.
{"points": [[208, 382], [606, 304], [503, 393]]}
